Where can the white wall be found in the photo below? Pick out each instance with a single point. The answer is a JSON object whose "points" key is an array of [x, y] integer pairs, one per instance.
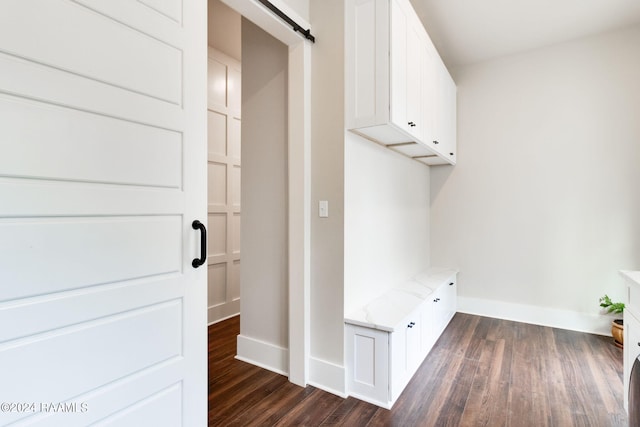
{"points": [[327, 183], [386, 220], [264, 272], [301, 7], [224, 29], [543, 207]]}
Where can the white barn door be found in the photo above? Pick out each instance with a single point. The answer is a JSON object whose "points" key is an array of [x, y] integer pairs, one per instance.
{"points": [[102, 171]]}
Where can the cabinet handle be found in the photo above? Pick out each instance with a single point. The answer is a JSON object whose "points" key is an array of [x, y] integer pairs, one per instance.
{"points": [[451, 154], [412, 124], [410, 325], [436, 142], [451, 284]]}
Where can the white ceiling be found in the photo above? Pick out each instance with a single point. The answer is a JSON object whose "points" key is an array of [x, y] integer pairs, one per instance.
{"points": [[469, 31]]}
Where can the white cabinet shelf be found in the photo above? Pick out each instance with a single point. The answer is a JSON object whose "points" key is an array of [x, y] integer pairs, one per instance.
{"points": [[399, 93], [388, 338]]}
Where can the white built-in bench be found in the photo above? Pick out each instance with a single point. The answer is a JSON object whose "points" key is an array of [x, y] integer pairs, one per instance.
{"points": [[389, 337]]}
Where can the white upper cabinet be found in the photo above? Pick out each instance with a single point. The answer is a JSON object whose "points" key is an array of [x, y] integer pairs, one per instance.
{"points": [[399, 55], [398, 91], [406, 70], [444, 136]]}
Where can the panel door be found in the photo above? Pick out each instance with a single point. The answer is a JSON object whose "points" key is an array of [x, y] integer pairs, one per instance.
{"points": [[224, 119], [103, 122]]}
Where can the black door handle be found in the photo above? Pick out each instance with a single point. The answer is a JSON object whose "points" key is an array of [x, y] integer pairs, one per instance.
{"points": [[197, 225]]}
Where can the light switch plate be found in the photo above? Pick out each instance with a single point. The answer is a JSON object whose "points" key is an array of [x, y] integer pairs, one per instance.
{"points": [[323, 209]]}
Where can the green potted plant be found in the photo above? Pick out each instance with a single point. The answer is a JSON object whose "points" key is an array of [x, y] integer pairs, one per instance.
{"points": [[617, 324]]}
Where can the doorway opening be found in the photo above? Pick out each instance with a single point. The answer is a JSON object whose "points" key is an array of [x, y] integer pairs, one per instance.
{"points": [[269, 217]]}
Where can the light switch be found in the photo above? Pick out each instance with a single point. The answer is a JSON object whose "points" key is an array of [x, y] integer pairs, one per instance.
{"points": [[323, 209]]}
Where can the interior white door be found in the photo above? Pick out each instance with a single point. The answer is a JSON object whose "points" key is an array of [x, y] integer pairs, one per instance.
{"points": [[102, 171], [223, 134]]}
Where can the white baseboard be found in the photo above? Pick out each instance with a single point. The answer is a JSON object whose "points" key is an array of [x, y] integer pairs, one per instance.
{"points": [[563, 319], [263, 354], [327, 376], [324, 375], [218, 313], [223, 319]]}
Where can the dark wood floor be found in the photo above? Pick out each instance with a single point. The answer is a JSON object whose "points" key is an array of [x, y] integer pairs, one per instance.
{"points": [[482, 372]]}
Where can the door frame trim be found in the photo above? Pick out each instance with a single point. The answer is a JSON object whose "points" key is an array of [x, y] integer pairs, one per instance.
{"points": [[299, 176]]}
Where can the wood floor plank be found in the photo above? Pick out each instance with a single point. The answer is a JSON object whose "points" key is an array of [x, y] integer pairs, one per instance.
{"points": [[481, 372], [555, 383], [312, 411], [246, 393], [273, 408], [352, 412], [477, 408]]}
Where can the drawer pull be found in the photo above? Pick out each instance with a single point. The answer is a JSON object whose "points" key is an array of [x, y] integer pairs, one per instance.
{"points": [[451, 284]]}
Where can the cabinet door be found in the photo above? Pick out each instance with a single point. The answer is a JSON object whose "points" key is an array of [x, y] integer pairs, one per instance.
{"points": [[415, 60], [405, 353], [450, 300], [367, 63], [406, 69], [397, 363], [368, 363], [427, 332], [429, 90], [398, 48], [412, 345], [445, 301], [449, 115], [445, 114], [439, 310]]}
